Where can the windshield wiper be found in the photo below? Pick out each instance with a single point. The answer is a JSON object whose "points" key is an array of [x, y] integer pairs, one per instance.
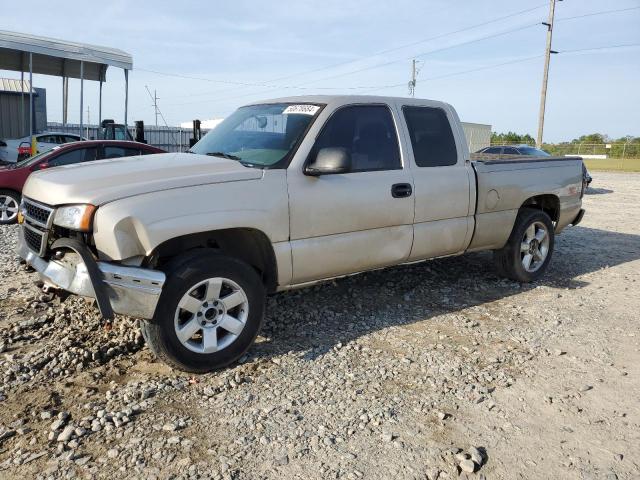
{"points": [[223, 155]]}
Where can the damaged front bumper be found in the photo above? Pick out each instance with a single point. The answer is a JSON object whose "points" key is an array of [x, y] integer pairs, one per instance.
{"points": [[117, 289]]}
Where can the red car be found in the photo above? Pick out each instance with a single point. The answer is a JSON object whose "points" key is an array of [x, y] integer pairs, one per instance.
{"points": [[13, 177]]}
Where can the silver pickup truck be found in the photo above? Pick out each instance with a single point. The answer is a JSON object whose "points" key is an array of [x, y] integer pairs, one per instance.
{"points": [[282, 194]]}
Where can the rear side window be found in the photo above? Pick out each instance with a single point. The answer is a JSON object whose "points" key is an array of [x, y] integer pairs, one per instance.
{"points": [[495, 150], [74, 156], [117, 152], [431, 136], [368, 134], [48, 139]]}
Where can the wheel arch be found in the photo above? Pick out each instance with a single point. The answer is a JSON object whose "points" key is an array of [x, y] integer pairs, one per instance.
{"points": [[548, 203], [11, 190], [249, 245]]}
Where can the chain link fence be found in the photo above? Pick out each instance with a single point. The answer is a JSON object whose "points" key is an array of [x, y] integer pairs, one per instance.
{"points": [[623, 156], [171, 139]]}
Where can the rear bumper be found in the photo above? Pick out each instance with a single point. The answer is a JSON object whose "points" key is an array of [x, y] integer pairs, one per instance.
{"points": [[118, 289]]}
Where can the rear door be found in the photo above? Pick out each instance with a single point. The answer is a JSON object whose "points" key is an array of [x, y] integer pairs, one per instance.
{"points": [[443, 181], [350, 222]]}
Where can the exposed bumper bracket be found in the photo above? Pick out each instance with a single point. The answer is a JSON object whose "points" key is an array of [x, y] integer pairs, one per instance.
{"points": [[117, 289], [95, 275]]}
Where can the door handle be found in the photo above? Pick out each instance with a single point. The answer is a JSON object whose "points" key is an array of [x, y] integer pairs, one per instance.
{"points": [[401, 190]]}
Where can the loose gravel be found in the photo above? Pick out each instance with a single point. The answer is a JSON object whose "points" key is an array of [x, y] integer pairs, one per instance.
{"points": [[438, 370]]}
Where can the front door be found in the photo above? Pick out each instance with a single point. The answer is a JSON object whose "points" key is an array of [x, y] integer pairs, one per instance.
{"points": [[358, 220]]}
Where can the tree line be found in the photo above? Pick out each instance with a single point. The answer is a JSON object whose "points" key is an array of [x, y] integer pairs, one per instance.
{"points": [[593, 143]]}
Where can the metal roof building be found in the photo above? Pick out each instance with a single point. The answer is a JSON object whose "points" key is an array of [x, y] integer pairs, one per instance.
{"points": [[14, 108], [49, 56]]}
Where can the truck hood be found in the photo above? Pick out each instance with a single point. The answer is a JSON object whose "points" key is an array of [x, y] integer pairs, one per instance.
{"points": [[104, 181]]}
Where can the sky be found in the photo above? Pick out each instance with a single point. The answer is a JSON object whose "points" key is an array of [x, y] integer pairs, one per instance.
{"points": [[205, 59]]}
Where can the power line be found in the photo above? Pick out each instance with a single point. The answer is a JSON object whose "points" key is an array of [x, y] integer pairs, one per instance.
{"points": [[157, 110], [272, 87], [603, 12], [601, 48], [412, 44], [374, 88], [423, 54], [371, 67], [382, 52]]}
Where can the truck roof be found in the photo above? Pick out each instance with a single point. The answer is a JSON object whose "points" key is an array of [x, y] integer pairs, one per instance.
{"points": [[345, 99]]}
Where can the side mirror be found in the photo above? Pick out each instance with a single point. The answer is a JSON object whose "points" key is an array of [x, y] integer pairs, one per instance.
{"points": [[329, 161], [41, 166]]}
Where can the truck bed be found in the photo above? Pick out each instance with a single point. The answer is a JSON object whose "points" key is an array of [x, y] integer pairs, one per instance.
{"points": [[505, 184], [493, 158]]}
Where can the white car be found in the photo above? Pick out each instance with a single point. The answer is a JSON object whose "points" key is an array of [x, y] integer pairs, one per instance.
{"points": [[46, 141]]}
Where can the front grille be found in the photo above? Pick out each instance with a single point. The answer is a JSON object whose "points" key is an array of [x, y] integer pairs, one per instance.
{"points": [[33, 239], [37, 213], [37, 222]]}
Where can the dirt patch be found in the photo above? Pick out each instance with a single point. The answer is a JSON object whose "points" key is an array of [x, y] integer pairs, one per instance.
{"points": [[399, 374]]}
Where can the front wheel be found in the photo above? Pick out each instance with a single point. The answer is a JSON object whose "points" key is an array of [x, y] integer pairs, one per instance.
{"points": [[528, 251], [9, 204], [209, 313]]}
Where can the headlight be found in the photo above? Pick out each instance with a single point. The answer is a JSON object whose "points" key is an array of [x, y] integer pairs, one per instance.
{"points": [[75, 217]]}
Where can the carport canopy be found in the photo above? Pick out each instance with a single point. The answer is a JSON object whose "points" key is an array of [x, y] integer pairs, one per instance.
{"points": [[49, 56]]}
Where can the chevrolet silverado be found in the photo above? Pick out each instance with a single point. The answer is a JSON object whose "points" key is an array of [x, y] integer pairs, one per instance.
{"points": [[282, 194]]}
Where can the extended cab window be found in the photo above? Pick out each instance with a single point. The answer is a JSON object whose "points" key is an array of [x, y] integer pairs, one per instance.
{"points": [[368, 134], [75, 156], [431, 136]]}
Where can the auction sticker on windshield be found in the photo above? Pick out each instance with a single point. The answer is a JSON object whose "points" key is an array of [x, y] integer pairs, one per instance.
{"points": [[301, 109]]}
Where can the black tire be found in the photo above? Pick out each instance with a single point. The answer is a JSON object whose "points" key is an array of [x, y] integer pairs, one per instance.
{"points": [[508, 260], [182, 274], [15, 197]]}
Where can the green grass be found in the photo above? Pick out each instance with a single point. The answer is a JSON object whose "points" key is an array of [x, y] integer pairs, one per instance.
{"points": [[614, 164]]}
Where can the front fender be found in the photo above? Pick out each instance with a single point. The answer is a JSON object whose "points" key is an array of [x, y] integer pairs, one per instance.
{"points": [[136, 225]]}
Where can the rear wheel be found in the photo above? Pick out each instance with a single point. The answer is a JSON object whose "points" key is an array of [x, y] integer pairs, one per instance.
{"points": [[9, 204], [209, 313], [528, 251]]}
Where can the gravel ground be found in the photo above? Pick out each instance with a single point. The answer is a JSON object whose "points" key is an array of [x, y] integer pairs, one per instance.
{"points": [[438, 370]]}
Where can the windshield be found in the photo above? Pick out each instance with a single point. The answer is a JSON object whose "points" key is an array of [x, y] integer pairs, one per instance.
{"points": [[27, 162], [533, 151], [259, 135]]}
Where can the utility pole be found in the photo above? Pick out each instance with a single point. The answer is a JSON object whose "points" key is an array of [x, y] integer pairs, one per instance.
{"points": [[155, 104], [155, 99], [414, 74], [545, 76]]}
